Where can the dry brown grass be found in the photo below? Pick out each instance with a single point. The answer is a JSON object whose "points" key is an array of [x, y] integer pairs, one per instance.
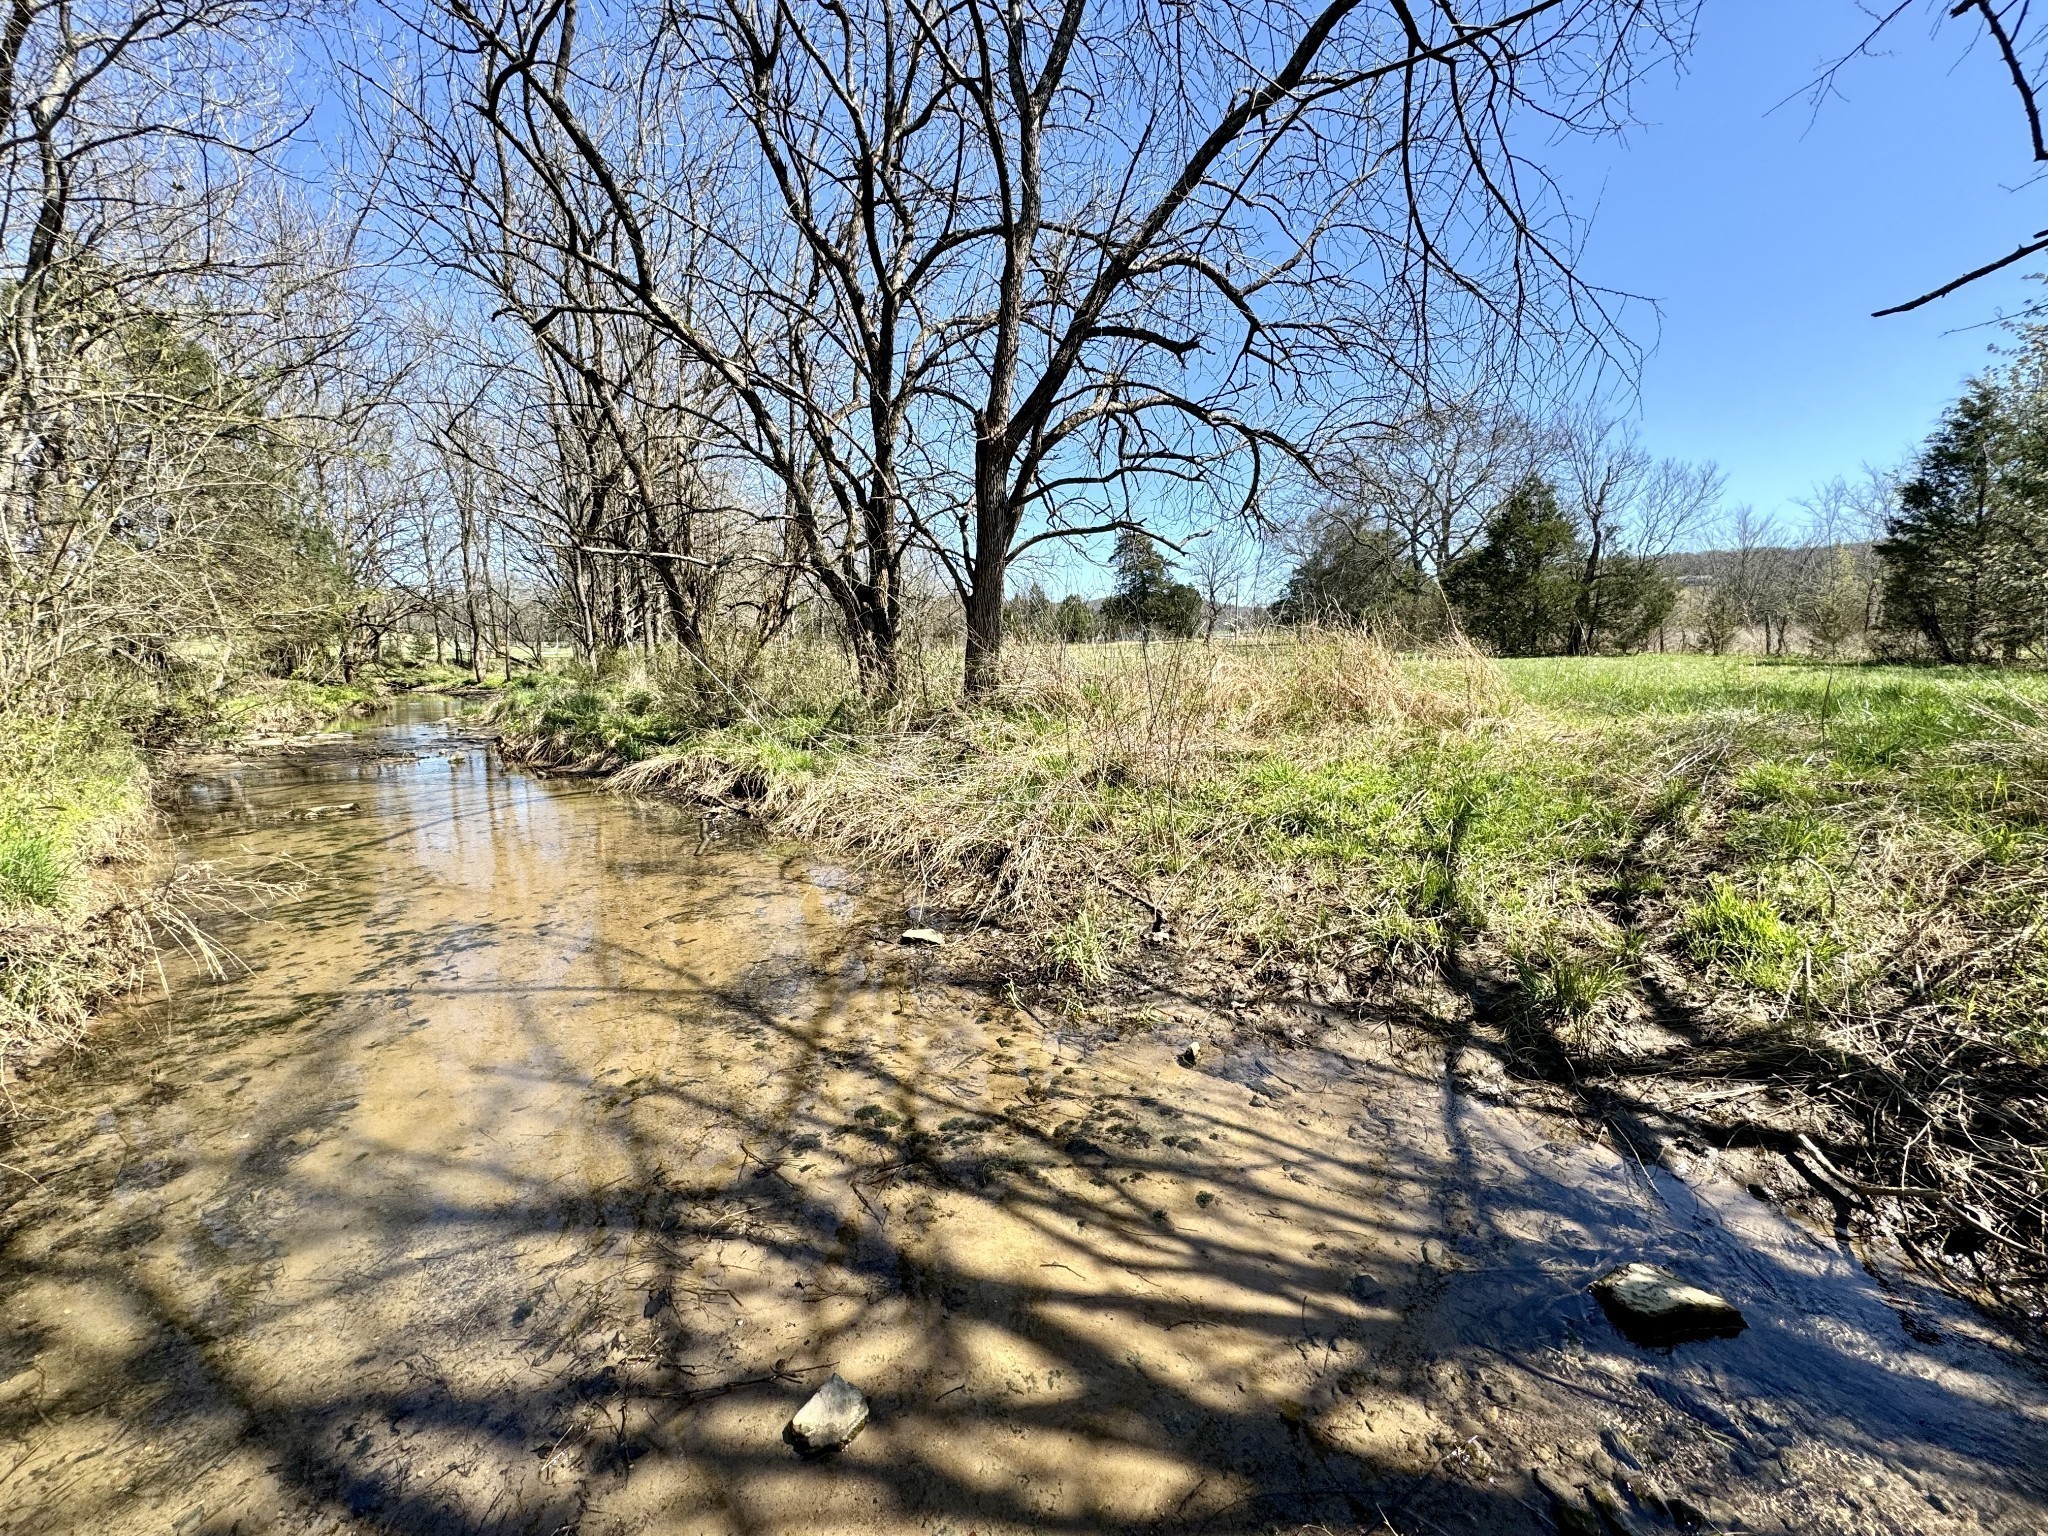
{"points": [[1074, 791], [1293, 682]]}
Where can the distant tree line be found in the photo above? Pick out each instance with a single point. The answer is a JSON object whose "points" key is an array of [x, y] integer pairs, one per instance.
{"points": [[1532, 539], [1570, 539]]}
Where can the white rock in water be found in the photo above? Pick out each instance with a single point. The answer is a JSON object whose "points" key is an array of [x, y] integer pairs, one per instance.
{"points": [[926, 936], [1192, 1055], [833, 1416], [1654, 1306]]}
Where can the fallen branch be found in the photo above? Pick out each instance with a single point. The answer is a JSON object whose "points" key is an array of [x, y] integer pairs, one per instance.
{"points": [[1158, 912], [1857, 1186]]}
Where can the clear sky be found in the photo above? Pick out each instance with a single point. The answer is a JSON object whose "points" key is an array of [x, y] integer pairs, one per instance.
{"points": [[1767, 228], [1768, 236]]}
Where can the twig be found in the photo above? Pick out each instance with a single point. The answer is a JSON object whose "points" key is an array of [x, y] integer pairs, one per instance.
{"points": [[780, 1373], [1857, 1186], [1158, 912]]}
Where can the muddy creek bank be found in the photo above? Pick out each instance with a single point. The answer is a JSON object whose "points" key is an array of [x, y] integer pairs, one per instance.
{"points": [[546, 1155]]}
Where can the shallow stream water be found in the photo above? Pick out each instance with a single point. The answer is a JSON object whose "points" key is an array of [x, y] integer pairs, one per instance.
{"points": [[540, 1154]]}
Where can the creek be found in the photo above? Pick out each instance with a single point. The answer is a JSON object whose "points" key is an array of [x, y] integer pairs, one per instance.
{"points": [[540, 1151]]}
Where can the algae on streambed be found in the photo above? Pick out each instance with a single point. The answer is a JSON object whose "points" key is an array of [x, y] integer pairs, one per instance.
{"points": [[546, 1156]]}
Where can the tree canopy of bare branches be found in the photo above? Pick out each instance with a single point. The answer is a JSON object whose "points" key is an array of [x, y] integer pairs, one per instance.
{"points": [[166, 316], [959, 280], [2019, 40]]}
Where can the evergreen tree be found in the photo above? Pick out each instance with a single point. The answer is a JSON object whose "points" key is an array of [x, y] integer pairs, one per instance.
{"points": [[1515, 593], [1029, 617], [1147, 599], [1357, 576], [1073, 621], [1629, 602], [1962, 554]]}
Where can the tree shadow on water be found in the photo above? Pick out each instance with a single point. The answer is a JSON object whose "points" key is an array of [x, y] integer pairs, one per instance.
{"points": [[466, 1227]]}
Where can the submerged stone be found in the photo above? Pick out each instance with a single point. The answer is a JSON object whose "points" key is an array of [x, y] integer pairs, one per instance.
{"points": [[835, 1413], [928, 937], [1622, 1449], [321, 812], [1191, 1054], [1653, 1306]]}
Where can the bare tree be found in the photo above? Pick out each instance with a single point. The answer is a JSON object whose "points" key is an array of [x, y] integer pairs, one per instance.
{"points": [[1760, 581], [1628, 505], [1434, 477], [1837, 587], [979, 278], [1219, 565], [631, 491], [184, 384], [784, 291], [1316, 198]]}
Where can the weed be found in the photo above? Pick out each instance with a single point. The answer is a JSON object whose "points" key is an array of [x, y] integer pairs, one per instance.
{"points": [[1571, 982], [1744, 936], [31, 873], [1772, 781], [1076, 949], [289, 706]]}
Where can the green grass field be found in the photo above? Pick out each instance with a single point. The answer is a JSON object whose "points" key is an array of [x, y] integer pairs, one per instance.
{"points": [[1839, 830]]}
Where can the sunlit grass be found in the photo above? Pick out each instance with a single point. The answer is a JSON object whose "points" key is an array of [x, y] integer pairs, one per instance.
{"points": [[71, 790], [73, 798]]}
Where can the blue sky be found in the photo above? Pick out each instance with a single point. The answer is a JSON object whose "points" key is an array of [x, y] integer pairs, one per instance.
{"points": [[1767, 237], [1766, 228]]}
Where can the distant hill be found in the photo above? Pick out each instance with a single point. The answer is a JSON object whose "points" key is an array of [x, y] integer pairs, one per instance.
{"points": [[1704, 567]]}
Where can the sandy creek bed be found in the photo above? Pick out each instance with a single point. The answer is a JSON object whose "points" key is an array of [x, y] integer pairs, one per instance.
{"points": [[540, 1159]]}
